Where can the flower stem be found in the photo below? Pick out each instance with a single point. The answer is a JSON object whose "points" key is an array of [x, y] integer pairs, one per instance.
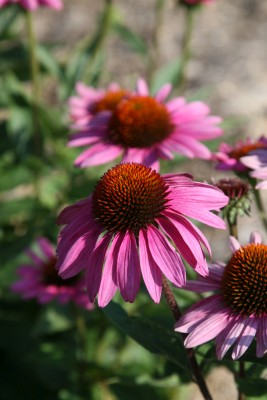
{"points": [[175, 310], [37, 142], [233, 232], [260, 207], [241, 396], [186, 50], [154, 53], [99, 39], [232, 227]]}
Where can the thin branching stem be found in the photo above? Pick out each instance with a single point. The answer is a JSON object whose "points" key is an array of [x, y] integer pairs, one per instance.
{"points": [[175, 310]]}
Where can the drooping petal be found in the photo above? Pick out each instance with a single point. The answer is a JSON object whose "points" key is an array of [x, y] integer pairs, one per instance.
{"points": [[109, 285], [208, 329], [165, 256], [246, 337], [186, 242], [262, 336], [94, 267], [128, 268], [198, 313], [229, 335], [150, 271]]}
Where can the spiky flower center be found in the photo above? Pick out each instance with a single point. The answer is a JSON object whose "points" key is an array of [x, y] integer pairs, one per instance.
{"points": [[244, 283], [139, 121], [233, 187], [245, 150], [51, 277], [129, 197], [110, 101]]}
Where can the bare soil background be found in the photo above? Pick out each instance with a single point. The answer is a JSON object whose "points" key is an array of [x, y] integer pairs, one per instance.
{"points": [[229, 62]]}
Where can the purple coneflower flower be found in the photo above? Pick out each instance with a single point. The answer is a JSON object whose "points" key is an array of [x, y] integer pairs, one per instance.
{"points": [[122, 231], [34, 4], [139, 127], [229, 157], [257, 161], [238, 311], [39, 279]]}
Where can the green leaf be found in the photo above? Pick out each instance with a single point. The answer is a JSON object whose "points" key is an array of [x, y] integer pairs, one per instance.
{"points": [[253, 387], [169, 73], [48, 61], [150, 335], [7, 17], [134, 40]]}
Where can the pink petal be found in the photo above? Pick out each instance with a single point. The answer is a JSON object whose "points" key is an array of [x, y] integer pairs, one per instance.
{"points": [[256, 238], [94, 267], [185, 240], [142, 88], [98, 154], [234, 244], [165, 256], [128, 268], [229, 336], [108, 285], [151, 273], [163, 93], [70, 213], [46, 248], [245, 338], [76, 257], [208, 329], [262, 336], [198, 313]]}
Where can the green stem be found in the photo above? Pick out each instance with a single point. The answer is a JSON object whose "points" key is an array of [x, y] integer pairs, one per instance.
{"points": [[186, 50], [100, 37], [37, 142], [232, 227], [154, 53], [175, 310], [241, 396], [260, 207], [233, 232]]}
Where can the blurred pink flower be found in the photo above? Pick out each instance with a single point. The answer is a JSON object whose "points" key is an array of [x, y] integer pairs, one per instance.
{"points": [[125, 227], [257, 161], [229, 157], [238, 311], [39, 279], [139, 127], [34, 4]]}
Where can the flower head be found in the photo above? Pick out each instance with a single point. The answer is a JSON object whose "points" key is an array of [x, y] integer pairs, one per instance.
{"points": [[257, 161], [39, 279], [122, 231], [238, 192], [230, 157], [34, 4], [238, 311], [139, 127]]}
